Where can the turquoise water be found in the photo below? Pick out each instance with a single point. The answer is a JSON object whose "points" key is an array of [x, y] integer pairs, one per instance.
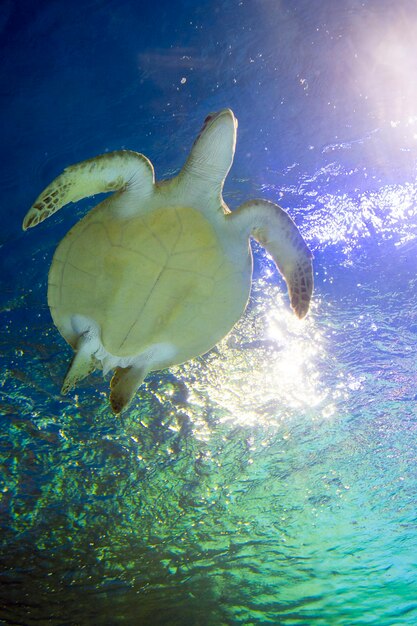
{"points": [[273, 480]]}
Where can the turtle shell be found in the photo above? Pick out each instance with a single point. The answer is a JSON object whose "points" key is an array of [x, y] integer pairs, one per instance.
{"points": [[165, 276]]}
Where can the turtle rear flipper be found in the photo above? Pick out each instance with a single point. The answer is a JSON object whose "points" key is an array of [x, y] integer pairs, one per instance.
{"points": [[82, 364], [124, 385]]}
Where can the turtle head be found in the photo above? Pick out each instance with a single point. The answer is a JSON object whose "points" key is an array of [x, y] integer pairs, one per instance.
{"points": [[212, 153]]}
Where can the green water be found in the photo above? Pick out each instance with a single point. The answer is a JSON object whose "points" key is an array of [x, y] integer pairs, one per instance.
{"points": [[182, 513]]}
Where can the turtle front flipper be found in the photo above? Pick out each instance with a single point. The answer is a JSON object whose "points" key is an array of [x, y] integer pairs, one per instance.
{"points": [[124, 385], [273, 228], [122, 169]]}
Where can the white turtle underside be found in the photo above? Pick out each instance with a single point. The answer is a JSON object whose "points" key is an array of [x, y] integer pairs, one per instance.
{"points": [[150, 291]]}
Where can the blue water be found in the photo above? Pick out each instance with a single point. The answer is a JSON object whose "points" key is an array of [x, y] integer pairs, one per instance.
{"points": [[272, 481]]}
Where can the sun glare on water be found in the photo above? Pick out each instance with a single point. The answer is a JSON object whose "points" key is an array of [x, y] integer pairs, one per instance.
{"points": [[268, 370]]}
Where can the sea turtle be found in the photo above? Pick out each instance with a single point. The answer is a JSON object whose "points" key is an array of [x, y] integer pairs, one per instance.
{"points": [[159, 272]]}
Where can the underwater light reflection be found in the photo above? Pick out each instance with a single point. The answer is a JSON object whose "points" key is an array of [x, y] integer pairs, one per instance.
{"points": [[389, 213], [271, 368], [300, 343]]}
